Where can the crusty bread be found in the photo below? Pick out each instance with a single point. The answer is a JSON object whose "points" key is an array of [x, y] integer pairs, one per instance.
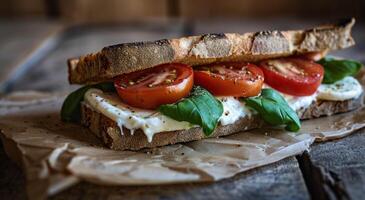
{"points": [[110, 133], [196, 50]]}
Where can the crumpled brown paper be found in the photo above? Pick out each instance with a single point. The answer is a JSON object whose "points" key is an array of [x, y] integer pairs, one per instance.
{"points": [[55, 155]]}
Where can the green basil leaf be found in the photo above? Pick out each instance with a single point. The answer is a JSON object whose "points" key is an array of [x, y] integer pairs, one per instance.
{"points": [[273, 108], [200, 108], [335, 70], [105, 87], [71, 107]]}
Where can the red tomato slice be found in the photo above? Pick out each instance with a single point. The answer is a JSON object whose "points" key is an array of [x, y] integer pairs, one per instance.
{"points": [[230, 79], [163, 84], [294, 76]]}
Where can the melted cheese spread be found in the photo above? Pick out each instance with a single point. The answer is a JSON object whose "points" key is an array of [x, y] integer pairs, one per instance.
{"points": [[152, 122], [149, 121]]}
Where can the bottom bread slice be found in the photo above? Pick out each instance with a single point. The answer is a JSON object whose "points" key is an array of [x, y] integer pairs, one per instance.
{"points": [[107, 130]]}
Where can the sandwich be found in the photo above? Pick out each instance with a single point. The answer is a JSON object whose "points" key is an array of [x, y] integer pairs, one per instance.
{"points": [[149, 94]]}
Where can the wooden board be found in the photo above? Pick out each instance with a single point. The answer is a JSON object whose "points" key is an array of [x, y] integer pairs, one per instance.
{"points": [[12, 179], [22, 44], [336, 169]]}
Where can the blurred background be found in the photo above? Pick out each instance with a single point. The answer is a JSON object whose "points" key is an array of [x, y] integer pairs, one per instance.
{"points": [[77, 11], [38, 36]]}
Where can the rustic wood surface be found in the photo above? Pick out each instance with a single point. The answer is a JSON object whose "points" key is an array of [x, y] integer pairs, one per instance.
{"points": [[22, 43], [339, 167], [330, 170]]}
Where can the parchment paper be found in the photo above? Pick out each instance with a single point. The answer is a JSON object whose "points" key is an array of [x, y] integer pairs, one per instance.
{"points": [[56, 155]]}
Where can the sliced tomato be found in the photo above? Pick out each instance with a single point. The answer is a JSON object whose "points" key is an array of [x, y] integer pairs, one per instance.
{"points": [[230, 79], [152, 87], [294, 76]]}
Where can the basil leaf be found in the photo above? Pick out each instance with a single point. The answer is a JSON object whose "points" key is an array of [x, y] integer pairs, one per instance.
{"points": [[71, 107], [200, 108], [105, 87], [273, 108], [335, 70]]}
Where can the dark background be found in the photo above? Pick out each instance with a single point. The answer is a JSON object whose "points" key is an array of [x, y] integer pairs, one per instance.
{"points": [[76, 11]]}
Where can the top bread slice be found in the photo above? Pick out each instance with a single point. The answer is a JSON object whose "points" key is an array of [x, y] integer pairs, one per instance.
{"points": [[197, 50]]}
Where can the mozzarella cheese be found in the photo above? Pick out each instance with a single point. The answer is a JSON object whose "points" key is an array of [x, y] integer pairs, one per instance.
{"points": [[151, 122], [296, 102], [233, 110], [341, 90]]}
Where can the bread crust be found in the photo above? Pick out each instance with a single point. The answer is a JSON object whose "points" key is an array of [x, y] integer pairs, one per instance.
{"points": [[197, 50], [108, 131]]}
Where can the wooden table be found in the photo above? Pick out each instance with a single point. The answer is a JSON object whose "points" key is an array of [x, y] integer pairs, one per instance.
{"points": [[33, 55]]}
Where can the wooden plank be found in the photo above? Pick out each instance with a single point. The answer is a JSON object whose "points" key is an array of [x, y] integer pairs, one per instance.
{"points": [[12, 178], [50, 74], [281, 180], [336, 169], [22, 43]]}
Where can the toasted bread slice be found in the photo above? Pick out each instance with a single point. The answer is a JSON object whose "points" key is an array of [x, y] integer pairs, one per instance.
{"points": [[110, 133], [196, 50]]}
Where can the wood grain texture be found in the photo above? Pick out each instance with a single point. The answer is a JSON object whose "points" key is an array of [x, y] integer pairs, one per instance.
{"points": [[339, 167], [12, 179], [23, 42], [281, 180]]}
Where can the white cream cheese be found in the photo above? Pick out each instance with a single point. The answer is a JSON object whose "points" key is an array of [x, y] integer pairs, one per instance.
{"points": [[347, 88]]}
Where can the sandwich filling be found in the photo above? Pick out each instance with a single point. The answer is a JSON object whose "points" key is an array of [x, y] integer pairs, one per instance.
{"points": [[152, 121], [175, 96]]}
